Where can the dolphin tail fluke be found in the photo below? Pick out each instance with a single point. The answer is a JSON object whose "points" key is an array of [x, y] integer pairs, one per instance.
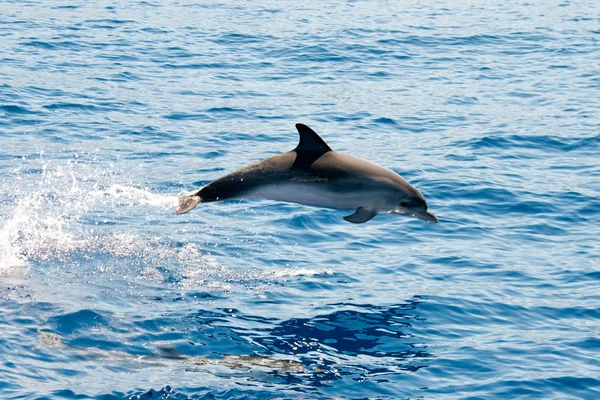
{"points": [[187, 203]]}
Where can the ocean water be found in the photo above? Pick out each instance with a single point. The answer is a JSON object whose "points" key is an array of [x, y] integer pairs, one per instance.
{"points": [[111, 110]]}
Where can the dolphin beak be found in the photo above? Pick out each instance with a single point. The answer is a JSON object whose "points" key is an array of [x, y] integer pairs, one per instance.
{"points": [[426, 216], [431, 217], [422, 215]]}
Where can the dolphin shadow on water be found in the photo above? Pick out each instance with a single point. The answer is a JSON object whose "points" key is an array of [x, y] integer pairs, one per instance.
{"points": [[314, 175], [350, 342], [339, 344]]}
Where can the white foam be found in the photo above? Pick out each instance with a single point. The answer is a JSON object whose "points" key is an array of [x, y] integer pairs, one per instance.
{"points": [[295, 272], [51, 221], [29, 232], [46, 220], [134, 195]]}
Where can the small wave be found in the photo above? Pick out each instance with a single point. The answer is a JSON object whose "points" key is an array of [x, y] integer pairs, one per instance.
{"points": [[537, 142], [239, 39], [72, 106], [225, 110], [41, 45], [385, 121], [12, 109]]}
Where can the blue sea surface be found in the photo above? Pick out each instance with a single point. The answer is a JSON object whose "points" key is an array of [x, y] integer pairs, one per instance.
{"points": [[111, 110]]}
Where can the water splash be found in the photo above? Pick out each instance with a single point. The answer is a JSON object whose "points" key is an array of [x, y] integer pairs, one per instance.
{"points": [[72, 212], [47, 221]]}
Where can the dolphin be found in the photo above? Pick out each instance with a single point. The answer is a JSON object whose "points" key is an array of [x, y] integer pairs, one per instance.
{"points": [[314, 175]]}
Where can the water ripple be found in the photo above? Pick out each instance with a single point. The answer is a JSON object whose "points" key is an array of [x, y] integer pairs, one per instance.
{"points": [[109, 112]]}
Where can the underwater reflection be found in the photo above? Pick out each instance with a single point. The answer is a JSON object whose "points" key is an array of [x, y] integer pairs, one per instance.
{"points": [[361, 339], [355, 341]]}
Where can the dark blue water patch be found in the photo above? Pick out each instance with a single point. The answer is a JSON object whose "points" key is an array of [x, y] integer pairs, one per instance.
{"points": [[593, 275], [590, 343], [197, 66], [108, 23], [72, 106], [569, 312], [590, 208], [385, 121], [380, 74], [40, 44], [67, 324], [225, 110], [240, 39], [269, 117], [154, 31], [7, 387], [13, 109], [57, 45], [375, 331], [461, 157], [560, 67]]}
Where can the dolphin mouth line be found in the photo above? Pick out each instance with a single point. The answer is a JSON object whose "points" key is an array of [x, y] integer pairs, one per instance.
{"points": [[427, 216]]}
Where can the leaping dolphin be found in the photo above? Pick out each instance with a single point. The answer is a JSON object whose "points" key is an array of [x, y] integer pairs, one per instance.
{"points": [[315, 175]]}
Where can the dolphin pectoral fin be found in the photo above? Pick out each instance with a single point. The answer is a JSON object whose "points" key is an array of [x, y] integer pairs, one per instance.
{"points": [[361, 215], [187, 203]]}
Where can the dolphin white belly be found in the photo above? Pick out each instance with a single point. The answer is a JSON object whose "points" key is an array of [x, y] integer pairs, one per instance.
{"points": [[320, 195]]}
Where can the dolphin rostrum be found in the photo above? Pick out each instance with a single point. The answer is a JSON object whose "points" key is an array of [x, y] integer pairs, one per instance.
{"points": [[315, 175]]}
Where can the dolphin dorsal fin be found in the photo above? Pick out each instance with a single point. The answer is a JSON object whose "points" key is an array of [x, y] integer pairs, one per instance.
{"points": [[310, 141]]}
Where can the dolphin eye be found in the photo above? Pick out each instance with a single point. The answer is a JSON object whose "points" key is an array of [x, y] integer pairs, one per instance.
{"points": [[404, 204]]}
